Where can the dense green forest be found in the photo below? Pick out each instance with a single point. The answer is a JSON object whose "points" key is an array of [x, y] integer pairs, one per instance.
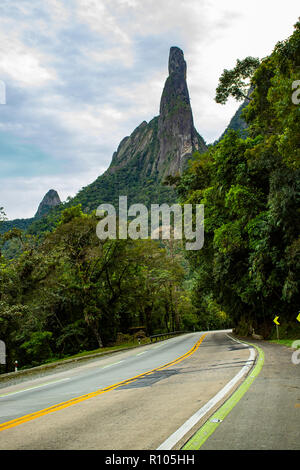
{"points": [[250, 262], [70, 292], [62, 290]]}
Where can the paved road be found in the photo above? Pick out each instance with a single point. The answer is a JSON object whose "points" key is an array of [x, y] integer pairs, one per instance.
{"points": [[139, 414], [35, 395], [268, 416], [145, 412]]}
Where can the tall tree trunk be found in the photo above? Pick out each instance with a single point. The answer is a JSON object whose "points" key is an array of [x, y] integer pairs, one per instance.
{"points": [[98, 337]]}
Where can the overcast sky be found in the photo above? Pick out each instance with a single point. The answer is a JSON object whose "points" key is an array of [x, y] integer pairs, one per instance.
{"points": [[82, 74]]}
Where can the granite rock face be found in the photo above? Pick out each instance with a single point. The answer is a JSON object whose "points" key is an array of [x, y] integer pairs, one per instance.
{"points": [[178, 138], [142, 161], [162, 146], [50, 200]]}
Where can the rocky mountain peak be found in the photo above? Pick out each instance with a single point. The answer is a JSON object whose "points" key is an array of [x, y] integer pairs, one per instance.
{"points": [[51, 199], [178, 138], [177, 64], [153, 151]]}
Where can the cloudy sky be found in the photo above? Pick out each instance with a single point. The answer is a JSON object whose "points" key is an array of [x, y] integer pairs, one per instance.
{"points": [[82, 74]]}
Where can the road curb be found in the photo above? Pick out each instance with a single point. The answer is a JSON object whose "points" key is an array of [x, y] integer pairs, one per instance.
{"points": [[53, 365], [59, 406], [209, 427]]}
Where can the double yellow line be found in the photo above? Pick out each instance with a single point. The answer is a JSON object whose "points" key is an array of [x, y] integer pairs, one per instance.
{"points": [[73, 401]]}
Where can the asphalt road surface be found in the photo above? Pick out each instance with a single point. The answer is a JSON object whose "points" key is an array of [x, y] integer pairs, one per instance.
{"points": [[134, 399]]}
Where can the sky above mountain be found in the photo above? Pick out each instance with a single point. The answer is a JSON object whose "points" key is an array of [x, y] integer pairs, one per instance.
{"points": [[82, 74]]}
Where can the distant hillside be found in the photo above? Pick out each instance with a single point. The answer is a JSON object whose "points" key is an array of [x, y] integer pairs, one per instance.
{"points": [[21, 224], [50, 200], [142, 160], [237, 123]]}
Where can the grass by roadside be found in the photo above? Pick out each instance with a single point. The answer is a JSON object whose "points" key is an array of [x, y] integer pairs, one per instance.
{"points": [[133, 343], [129, 344], [57, 361], [284, 342], [123, 345]]}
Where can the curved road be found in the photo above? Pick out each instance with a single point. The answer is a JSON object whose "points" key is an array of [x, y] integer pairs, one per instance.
{"points": [[157, 396], [131, 400]]}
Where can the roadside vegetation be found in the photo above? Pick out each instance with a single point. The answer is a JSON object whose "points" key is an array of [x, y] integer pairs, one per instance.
{"points": [[64, 292], [67, 292], [249, 266]]}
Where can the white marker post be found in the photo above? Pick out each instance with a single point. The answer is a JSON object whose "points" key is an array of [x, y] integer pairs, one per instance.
{"points": [[2, 352]]}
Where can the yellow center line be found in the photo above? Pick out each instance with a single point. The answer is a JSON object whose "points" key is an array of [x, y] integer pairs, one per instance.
{"points": [[73, 401]]}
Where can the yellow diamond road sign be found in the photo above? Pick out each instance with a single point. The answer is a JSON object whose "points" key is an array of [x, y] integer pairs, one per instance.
{"points": [[298, 318], [276, 321]]}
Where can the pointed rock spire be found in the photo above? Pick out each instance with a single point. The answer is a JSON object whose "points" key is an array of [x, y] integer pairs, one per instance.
{"points": [[155, 149], [175, 91], [177, 135], [177, 64]]}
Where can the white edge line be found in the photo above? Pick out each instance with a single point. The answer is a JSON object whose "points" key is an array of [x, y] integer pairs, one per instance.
{"points": [[171, 441], [113, 364], [5, 395]]}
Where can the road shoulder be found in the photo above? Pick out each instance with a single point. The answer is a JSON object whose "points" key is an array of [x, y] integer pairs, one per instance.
{"points": [[267, 416]]}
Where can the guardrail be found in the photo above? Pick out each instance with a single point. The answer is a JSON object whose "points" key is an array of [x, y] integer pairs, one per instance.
{"points": [[165, 335]]}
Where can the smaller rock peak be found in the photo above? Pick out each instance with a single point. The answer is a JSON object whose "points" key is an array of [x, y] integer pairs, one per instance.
{"points": [[51, 199], [52, 194], [177, 64]]}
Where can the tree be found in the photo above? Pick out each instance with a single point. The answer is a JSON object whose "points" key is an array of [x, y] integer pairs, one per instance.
{"points": [[249, 265], [233, 82], [2, 215], [2, 219], [68, 291]]}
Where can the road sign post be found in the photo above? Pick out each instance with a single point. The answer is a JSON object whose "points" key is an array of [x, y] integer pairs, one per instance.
{"points": [[276, 323]]}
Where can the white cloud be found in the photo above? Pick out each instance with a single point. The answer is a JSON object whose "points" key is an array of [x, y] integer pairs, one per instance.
{"points": [[100, 17], [82, 75], [115, 54], [21, 63], [23, 195], [25, 68]]}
